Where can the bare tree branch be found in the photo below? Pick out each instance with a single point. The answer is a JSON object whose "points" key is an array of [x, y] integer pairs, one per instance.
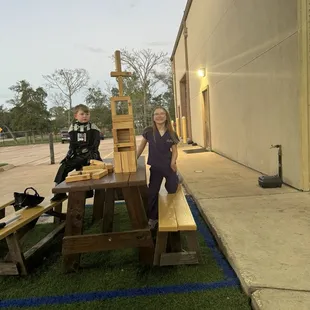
{"points": [[68, 82]]}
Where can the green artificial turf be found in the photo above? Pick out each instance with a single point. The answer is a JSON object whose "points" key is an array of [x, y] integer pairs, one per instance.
{"points": [[118, 270]]}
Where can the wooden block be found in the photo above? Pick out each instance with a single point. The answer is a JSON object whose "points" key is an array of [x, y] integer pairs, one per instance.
{"points": [[122, 125], [125, 164], [99, 175], [88, 168], [96, 162], [75, 173], [91, 172], [114, 101], [122, 118], [132, 160], [76, 178], [182, 211], [109, 166], [117, 162]]}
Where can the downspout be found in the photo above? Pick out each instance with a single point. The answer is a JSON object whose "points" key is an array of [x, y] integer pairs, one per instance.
{"points": [[304, 100], [189, 121], [175, 89]]}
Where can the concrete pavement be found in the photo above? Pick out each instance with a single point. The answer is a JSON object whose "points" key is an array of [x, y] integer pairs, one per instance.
{"points": [[264, 233]]}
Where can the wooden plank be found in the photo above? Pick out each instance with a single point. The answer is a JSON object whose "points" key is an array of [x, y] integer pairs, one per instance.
{"points": [[98, 205], [193, 244], [16, 254], [58, 209], [78, 178], [120, 98], [100, 174], [27, 215], [89, 169], [6, 205], [8, 269], [117, 162], [166, 213], [125, 164], [181, 258], [138, 178], [45, 241], [74, 226], [160, 247], [135, 207], [106, 242], [96, 162], [132, 160], [122, 118], [124, 144], [112, 180], [118, 67], [118, 125], [183, 213], [118, 73], [108, 211]]}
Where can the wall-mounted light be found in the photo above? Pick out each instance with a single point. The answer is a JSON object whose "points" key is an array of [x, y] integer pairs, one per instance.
{"points": [[201, 72]]}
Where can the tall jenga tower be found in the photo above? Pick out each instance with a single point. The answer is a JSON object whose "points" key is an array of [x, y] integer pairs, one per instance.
{"points": [[125, 158]]}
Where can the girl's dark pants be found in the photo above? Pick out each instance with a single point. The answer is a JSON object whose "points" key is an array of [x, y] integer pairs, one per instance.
{"points": [[156, 177]]}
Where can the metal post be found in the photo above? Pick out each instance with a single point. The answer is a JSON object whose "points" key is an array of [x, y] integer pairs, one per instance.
{"points": [[184, 129], [51, 142]]}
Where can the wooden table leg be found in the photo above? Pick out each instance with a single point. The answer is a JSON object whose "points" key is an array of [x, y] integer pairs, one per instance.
{"points": [[74, 226], [98, 205], [108, 211], [16, 254], [144, 194], [138, 220]]}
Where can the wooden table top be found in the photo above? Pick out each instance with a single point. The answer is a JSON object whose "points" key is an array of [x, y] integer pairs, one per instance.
{"points": [[112, 180]]}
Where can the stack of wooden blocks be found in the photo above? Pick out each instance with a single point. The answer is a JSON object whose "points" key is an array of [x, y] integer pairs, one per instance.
{"points": [[96, 170], [125, 157]]}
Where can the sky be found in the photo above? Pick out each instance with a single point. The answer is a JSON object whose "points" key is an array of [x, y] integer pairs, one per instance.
{"points": [[39, 36]]}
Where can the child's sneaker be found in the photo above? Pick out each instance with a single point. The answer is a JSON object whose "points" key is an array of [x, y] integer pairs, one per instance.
{"points": [[152, 224]]}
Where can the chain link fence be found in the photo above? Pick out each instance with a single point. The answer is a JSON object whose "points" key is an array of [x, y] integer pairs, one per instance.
{"points": [[36, 137]]}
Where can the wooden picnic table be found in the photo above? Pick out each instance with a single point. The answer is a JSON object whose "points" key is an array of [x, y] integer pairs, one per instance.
{"points": [[134, 189]]}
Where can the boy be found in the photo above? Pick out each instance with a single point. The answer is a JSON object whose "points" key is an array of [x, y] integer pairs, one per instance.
{"points": [[84, 144]]}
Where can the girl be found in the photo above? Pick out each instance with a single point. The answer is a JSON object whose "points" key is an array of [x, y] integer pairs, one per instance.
{"points": [[162, 157]]}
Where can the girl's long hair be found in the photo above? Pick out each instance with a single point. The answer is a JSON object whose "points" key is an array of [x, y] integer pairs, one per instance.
{"points": [[167, 123]]}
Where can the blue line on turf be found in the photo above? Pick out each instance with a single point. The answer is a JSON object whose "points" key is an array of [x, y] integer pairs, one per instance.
{"points": [[231, 278], [103, 295], [209, 240]]}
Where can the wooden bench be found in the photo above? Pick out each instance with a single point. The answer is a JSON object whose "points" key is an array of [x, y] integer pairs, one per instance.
{"points": [[175, 218], [15, 262]]}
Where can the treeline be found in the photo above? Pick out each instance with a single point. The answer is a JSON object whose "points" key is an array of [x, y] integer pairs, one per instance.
{"points": [[150, 85]]}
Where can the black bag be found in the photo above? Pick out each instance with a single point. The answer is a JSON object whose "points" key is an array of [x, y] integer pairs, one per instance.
{"points": [[26, 200]]}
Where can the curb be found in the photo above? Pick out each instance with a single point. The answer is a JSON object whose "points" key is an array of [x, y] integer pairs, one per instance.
{"points": [[6, 167]]}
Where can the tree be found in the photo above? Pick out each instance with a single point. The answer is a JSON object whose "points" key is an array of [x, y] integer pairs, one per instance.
{"points": [[29, 110], [58, 118], [146, 66], [68, 82], [5, 122], [99, 107]]}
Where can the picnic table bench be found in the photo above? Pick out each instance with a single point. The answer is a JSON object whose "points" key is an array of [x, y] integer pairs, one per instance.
{"points": [[16, 262], [175, 218]]}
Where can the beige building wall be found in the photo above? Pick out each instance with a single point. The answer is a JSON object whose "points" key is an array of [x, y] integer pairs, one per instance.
{"points": [[179, 68], [250, 51]]}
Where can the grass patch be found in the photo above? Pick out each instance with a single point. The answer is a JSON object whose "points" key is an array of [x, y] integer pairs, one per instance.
{"points": [[3, 164], [118, 270]]}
